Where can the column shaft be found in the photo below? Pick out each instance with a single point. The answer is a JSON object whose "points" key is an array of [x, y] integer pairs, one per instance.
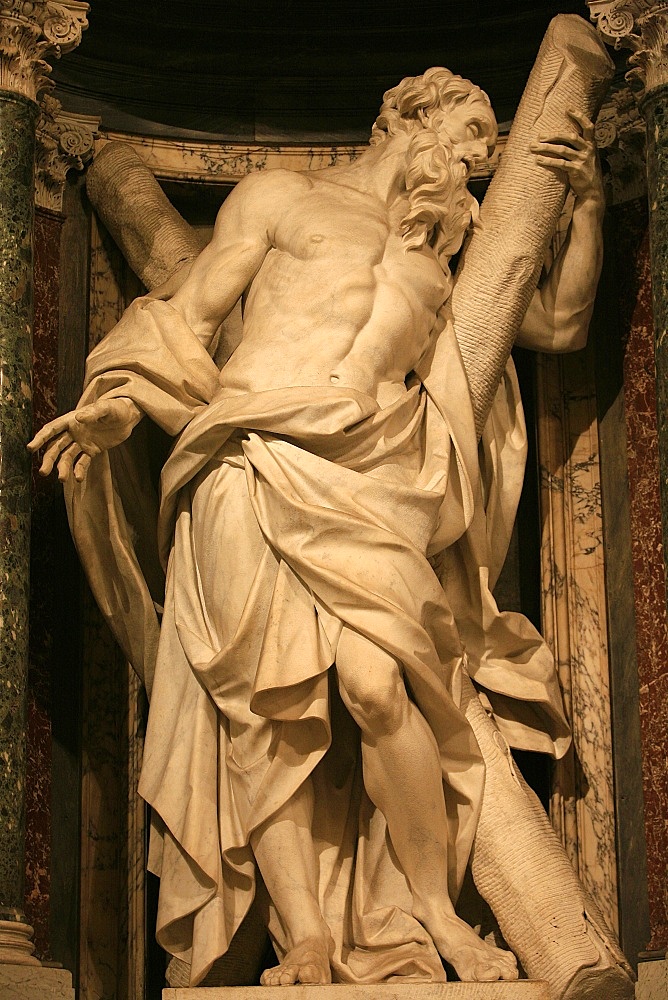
{"points": [[18, 117]]}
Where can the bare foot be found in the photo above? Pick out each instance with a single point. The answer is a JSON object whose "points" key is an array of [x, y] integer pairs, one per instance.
{"points": [[307, 962], [471, 957]]}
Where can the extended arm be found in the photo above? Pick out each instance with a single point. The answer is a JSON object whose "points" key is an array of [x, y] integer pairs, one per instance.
{"points": [[558, 316], [203, 294]]}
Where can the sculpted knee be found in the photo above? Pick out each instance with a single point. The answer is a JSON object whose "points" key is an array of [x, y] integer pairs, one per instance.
{"points": [[377, 702]]}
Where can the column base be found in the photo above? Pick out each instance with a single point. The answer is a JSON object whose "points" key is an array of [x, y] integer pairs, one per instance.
{"points": [[522, 990], [21, 982], [652, 980], [16, 947]]}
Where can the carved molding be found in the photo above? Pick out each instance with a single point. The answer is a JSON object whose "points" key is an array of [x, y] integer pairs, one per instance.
{"points": [[215, 162], [620, 137], [641, 26], [32, 32], [65, 142]]}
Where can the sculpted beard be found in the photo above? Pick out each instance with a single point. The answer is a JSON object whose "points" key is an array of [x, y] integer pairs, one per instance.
{"points": [[440, 206]]}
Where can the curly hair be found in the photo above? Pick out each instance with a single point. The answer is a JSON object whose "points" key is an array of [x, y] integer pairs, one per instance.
{"points": [[440, 206], [417, 100]]}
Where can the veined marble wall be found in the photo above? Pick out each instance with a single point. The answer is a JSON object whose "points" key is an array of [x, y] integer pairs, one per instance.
{"points": [[574, 617], [44, 495], [225, 163], [647, 548]]}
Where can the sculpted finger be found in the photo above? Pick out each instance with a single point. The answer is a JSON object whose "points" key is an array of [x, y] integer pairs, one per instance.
{"points": [[52, 453], [81, 467], [66, 461], [586, 124], [552, 163], [569, 139], [48, 431], [93, 412], [557, 149]]}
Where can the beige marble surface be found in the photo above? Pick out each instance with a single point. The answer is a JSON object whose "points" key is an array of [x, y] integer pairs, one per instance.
{"points": [[227, 163], [21, 982], [652, 980], [574, 618], [523, 990]]}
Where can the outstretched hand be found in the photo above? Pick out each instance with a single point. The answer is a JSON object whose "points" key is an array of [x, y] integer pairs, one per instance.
{"points": [[574, 153], [74, 439]]}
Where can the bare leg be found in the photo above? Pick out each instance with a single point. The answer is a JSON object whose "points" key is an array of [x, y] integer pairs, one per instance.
{"points": [[402, 776], [283, 849]]}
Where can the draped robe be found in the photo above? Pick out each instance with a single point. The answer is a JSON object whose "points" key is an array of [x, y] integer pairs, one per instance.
{"points": [[283, 516]]}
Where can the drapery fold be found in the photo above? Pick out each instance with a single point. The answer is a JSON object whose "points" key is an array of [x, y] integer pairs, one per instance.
{"points": [[285, 516]]}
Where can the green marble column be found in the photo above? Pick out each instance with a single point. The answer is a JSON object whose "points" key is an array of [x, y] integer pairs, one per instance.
{"points": [[655, 111], [18, 116]]}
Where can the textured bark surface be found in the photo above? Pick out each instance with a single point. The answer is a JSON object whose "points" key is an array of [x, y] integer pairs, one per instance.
{"points": [[502, 262], [521, 869], [154, 238]]}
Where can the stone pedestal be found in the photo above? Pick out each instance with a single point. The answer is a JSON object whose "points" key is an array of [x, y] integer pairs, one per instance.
{"points": [[20, 982], [524, 990]]}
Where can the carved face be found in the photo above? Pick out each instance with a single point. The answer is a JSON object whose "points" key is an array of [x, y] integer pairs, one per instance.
{"points": [[471, 128]]}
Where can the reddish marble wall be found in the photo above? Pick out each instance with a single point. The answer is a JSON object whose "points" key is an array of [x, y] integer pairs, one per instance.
{"points": [[633, 275], [38, 780]]}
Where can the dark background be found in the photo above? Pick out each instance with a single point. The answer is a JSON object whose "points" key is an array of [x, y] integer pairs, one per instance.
{"points": [[289, 70]]}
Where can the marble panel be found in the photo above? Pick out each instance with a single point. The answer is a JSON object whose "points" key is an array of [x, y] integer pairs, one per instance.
{"points": [[522, 990], [574, 617], [226, 162], [653, 703], [652, 980], [649, 579], [42, 573]]}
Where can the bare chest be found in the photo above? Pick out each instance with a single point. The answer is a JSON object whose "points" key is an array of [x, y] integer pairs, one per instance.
{"points": [[341, 238]]}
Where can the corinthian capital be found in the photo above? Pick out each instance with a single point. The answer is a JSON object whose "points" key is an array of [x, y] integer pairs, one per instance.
{"points": [[64, 142], [642, 26], [620, 137], [31, 33]]}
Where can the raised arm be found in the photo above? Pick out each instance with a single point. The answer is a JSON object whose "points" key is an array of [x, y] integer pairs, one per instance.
{"points": [[558, 316]]}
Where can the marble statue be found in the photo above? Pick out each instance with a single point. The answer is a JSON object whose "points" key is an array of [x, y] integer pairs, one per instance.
{"points": [[320, 511]]}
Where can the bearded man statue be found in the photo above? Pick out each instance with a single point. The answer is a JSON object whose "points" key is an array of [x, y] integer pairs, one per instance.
{"points": [[318, 511]]}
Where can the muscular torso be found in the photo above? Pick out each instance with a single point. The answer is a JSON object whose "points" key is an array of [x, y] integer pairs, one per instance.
{"points": [[337, 300]]}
